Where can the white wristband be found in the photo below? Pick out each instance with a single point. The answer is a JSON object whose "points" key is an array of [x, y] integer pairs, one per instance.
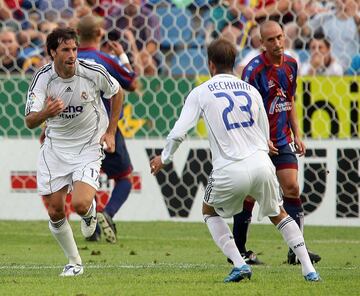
{"points": [[124, 58]]}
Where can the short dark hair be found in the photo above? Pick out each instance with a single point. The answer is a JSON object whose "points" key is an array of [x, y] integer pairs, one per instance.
{"points": [[59, 35], [319, 35], [222, 53]]}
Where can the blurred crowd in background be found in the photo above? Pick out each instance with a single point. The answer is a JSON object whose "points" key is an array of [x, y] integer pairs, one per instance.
{"points": [[169, 37]]}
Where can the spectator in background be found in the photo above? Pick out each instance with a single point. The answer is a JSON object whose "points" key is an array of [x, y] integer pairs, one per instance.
{"points": [[240, 16], [304, 10], [45, 28], [138, 30], [32, 44], [321, 60], [278, 10], [227, 21], [5, 12], [340, 28], [9, 50]]}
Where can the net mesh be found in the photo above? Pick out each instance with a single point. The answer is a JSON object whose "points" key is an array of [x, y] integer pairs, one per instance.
{"points": [[166, 43]]}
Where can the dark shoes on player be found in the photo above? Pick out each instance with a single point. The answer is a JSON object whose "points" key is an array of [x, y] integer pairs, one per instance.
{"points": [[250, 258], [107, 226], [293, 260], [95, 237]]}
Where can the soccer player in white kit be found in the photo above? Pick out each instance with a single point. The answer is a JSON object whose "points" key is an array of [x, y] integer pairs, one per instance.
{"points": [[66, 95], [238, 131]]}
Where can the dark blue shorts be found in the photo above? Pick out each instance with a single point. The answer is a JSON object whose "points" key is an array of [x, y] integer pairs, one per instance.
{"points": [[117, 165], [286, 159]]}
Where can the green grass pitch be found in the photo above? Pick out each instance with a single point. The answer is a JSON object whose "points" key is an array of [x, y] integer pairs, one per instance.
{"points": [[168, 258]]}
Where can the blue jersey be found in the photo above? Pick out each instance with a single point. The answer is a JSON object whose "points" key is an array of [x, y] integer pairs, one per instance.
{"points": [[123, 75]]}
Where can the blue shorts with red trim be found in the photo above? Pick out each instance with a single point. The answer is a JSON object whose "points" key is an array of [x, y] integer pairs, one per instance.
{"points": [[117, 165], [286, 159]]}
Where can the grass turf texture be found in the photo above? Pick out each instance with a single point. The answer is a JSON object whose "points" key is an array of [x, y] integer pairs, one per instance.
{"points": [[164, 258]]}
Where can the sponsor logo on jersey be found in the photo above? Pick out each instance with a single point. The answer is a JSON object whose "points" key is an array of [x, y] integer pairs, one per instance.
{"points": [[279, 104], [71, 112], [68, 89]]}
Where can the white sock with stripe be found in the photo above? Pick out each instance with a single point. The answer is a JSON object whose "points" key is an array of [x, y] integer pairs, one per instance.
{"points": [[62, 232], [295, 240]]}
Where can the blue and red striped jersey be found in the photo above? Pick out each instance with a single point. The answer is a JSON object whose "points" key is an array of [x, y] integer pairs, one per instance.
{"points": [[277, 86], [112, 64]]}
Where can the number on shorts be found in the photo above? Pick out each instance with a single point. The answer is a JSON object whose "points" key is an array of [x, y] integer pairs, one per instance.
{"points": [[94, 174], [227, 110]]}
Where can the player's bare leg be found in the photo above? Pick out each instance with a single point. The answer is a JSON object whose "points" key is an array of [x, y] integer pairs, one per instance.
{"points": [[84, 204]]}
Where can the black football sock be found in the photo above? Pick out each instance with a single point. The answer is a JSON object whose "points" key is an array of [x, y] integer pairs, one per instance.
{"points": [[241, 226]]}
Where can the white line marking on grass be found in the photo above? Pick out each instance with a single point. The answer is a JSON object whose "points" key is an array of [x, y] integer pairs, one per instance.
{"points": [[143, 266], [107, 266]]}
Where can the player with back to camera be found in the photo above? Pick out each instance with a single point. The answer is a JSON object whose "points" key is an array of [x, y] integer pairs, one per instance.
{"points": [[66, 95], [116, 165], [238, 131], [274, 74]]}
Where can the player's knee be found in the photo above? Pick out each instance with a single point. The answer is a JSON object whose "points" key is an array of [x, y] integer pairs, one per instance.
{"points": [[81, 207], [291, 190], [276, 219], [56, 213], [208, 210]]}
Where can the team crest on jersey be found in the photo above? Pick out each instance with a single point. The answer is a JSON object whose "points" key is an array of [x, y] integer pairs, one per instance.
{"points": [[280, 93], [84, 96], [271, 83], [32, 96]]}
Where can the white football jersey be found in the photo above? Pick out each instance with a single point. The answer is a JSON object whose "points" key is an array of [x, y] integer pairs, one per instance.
{"points": [[84, 119], [235, 118]]}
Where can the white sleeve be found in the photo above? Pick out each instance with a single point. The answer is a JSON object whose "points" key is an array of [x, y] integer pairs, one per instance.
{"points": [[107, 84], [263, 120], [189, 116], [37, 92]]}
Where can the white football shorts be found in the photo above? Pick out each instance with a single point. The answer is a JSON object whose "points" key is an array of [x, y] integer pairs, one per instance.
{"points": [[255, 176], [56, 169]]}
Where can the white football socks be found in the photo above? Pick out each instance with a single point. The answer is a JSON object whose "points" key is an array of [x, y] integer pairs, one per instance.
{"points": [[62, 232], [223, 238], [295, 240]]}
